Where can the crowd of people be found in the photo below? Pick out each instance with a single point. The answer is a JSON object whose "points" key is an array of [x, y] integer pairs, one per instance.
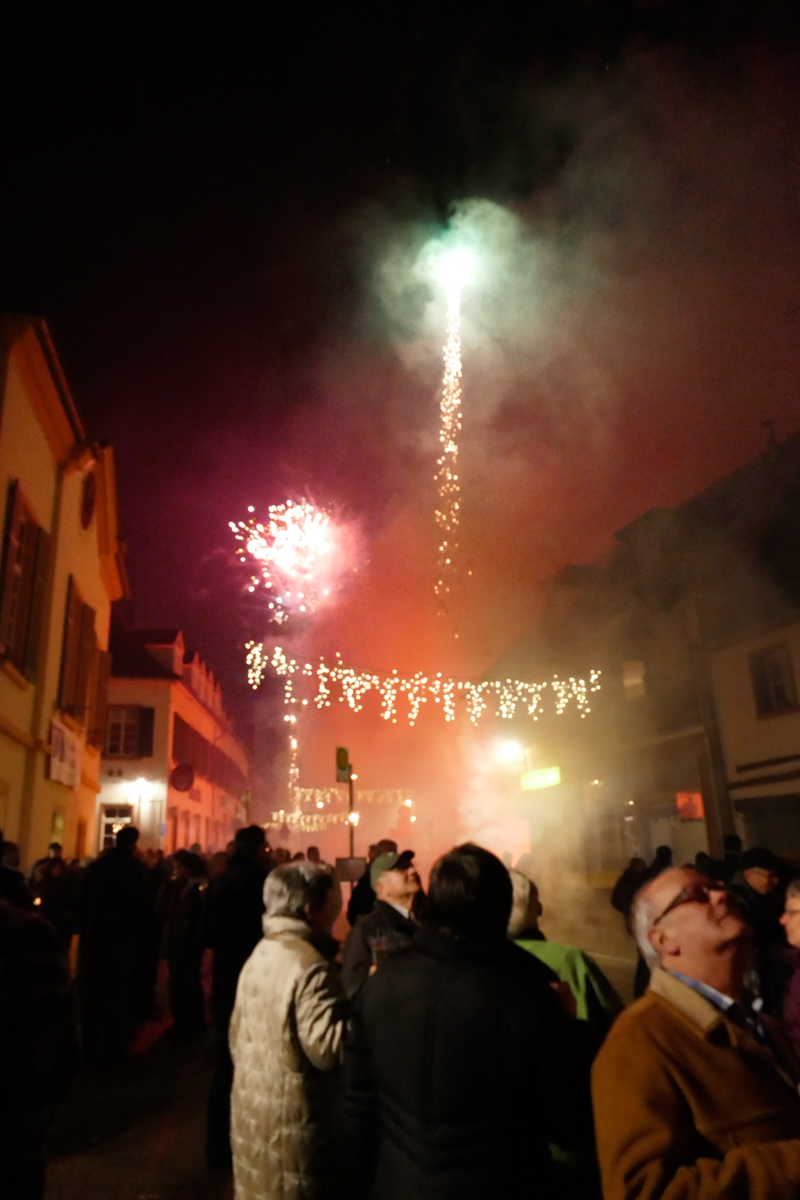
{"points": [[447, 1048]]}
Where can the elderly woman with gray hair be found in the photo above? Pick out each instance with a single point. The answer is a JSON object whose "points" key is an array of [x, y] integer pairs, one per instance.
{"points": [[286, 1039]]}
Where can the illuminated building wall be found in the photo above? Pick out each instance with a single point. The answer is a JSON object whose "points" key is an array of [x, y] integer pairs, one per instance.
{"points": [[61, 569], [165, 712]]}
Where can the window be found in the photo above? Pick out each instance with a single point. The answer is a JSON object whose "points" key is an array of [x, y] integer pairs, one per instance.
{"points": [[209, 762], [130, 731], [774, 685], [26, 558]]}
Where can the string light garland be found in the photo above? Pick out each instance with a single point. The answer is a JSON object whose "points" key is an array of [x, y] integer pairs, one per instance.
{"points": [[301, 821], [337, 682]]}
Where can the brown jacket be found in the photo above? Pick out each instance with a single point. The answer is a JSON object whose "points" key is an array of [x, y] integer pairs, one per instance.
{"points": [[689, 1106]]}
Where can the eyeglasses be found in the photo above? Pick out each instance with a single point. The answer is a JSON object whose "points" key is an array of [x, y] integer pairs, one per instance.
{"points": [[693, 893]]}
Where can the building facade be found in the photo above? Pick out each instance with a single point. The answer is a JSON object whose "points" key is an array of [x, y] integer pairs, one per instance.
{"points": [[172, 764], [62, 567]]}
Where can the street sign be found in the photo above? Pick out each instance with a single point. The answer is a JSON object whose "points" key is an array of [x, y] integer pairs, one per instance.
{"points": [[547, 777], [343, 767]]}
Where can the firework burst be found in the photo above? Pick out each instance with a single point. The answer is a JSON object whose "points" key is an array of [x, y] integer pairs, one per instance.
{"points": [[295, 555]]}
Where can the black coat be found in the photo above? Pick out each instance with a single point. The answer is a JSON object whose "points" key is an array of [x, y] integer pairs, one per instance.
{"points": [[383, 922], [460, 1066], [232, 927]]}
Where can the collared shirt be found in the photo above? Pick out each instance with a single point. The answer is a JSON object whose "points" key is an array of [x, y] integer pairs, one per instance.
{"points": [[723, 1003], [404, 912]]}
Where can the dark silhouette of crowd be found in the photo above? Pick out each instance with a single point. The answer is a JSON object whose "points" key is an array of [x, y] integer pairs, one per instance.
{"points": [[446, 1048]]}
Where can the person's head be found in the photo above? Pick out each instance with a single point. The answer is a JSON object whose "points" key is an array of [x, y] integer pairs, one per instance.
{"points": [[127, 838], [305, 892], [704, 863], [685, 922], [638, 864], [299, 857], [394, 878], [760, 869], [217, 863], [790, 917], [372, 853], [663, 857], [387, 846], [732, 843], [281, 855], [312, 854], [188, 865], [249, 842], [525, 907], [470, 894], [54, 850], [10, 855]]}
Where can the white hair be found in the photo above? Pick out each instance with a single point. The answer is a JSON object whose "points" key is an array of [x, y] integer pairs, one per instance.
{"points": [[288, 889], [642, 917], [524, 894]]}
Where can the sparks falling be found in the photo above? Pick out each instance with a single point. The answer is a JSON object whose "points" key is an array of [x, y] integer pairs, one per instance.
{"points": [[446, 478], [296, 553]]}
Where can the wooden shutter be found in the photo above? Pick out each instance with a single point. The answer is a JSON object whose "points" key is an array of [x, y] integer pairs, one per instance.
{"points": [[36, 613], [9, 581], [146, 721], [87, 652], [70, 648], [99, 714]]}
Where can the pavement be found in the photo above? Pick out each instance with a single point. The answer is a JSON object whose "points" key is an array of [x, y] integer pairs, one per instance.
{"points": [[136, 1131]]}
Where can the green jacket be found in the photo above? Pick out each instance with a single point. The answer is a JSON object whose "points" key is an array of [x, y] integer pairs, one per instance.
{"points": [[598, 1002]]}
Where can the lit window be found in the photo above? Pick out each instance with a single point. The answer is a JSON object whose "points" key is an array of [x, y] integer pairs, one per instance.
{"points": [[774, 685]]}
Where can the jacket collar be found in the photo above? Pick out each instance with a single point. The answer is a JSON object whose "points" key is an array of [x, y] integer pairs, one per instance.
{"points": [[276, 928], [701, 1012], [712, 1024]]}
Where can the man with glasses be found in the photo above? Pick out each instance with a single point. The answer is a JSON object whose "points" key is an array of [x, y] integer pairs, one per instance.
{"points": [[695, 1096]]}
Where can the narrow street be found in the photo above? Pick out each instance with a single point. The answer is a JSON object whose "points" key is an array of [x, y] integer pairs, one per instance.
{"points": [[137, 1132]]}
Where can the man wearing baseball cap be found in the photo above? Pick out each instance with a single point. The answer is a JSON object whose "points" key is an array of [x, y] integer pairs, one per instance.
{"points": [[389, 926]]}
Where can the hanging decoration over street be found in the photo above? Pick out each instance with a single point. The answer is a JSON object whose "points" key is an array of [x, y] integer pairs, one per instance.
{"points": [[336, 682]]}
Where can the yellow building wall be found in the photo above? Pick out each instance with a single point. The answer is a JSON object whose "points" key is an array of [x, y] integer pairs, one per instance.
{"points": [[39, 446]]}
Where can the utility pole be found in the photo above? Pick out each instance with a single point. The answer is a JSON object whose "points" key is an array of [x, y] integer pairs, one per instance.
{"points": [[350, 810]]}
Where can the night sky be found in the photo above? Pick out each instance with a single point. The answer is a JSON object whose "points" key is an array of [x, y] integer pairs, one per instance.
{"points": [[215, 214]]}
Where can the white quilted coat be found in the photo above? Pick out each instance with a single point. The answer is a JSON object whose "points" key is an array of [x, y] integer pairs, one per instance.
{"points": [[286, 1032]]}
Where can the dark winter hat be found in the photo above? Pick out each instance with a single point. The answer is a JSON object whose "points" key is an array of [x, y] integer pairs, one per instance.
{"points": [[758, 856], [390, 862]]}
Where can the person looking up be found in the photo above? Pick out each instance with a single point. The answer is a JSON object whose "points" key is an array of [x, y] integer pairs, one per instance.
{"points": [[231, 927], [286, 1036], [389, 926], [362, 900], [694, 1095], [596, 1000], [790, 920], [461, 1063], [756, 887], [113, 914]]}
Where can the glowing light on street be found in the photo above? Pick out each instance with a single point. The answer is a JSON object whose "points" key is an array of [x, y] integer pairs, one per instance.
{"points": [[297, 553], [336, 682], [509, 752]]}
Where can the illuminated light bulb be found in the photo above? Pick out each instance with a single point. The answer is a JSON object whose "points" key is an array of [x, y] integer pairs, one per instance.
{"points": [[412, 818]]}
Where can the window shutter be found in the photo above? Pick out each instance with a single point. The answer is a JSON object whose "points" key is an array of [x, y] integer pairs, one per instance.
{"points": [[87, 650], [146, 721], [70, 649], [34, 632], [99, 715], [10, 566]]}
